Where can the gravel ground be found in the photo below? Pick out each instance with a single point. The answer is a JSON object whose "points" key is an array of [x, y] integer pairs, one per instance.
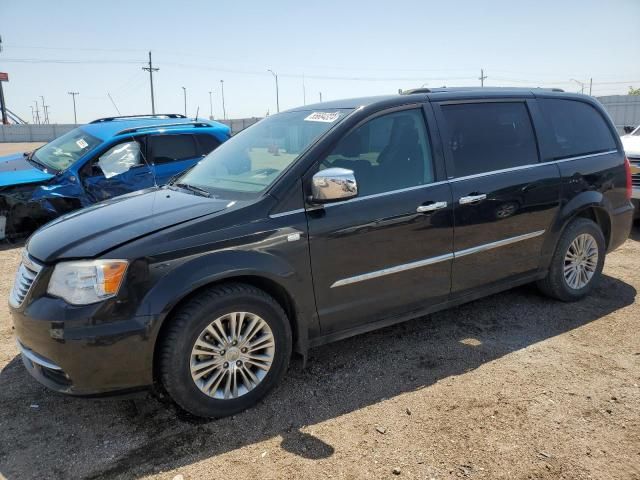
{"points": [[514, 386]]}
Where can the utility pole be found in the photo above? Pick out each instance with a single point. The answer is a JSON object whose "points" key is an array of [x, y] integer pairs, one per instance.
{"points": [[320, 93], [151, 69], [482, 78], [275, 75], [590, 85], [224, 110], [304, 92], [3, 103], [210, 106], [73, 95], [184, 92]]}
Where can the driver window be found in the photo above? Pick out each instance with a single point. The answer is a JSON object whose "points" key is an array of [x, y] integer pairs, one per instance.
{"points": [[119, 159], [387, 153]]}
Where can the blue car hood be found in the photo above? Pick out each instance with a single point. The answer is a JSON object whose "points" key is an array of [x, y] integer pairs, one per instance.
{"points": [[16, 170]]}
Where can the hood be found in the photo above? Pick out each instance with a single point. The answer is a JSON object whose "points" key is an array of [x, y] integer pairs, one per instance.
{"points": [[631, 145], [92, 231], [16, 170]]}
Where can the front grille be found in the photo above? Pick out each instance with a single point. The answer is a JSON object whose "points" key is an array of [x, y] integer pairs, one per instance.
{"points": [[26, 275], [635, 167]]}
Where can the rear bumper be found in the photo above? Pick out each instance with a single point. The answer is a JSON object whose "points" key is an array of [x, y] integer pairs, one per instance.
{"points": [[80, 357]]}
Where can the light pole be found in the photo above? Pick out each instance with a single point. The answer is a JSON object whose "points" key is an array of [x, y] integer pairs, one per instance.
{"points": [[210, 106], [184, 92], [579, 83], [277, 91], [224, 110]]}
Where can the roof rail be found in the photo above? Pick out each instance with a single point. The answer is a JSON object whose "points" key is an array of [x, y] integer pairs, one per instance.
{"points": [[473, 88], [162, 125], [416, 90], [158, 115]]}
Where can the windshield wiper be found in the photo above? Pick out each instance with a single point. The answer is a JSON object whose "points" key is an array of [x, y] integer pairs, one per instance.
{"points": [[192, 188]]}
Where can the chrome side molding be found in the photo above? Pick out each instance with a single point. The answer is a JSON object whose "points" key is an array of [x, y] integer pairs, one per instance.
{"points": [[432, 260], [390, 270]]}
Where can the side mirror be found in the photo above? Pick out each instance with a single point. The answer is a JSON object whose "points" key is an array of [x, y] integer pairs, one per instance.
{"points": [[332, 185]]}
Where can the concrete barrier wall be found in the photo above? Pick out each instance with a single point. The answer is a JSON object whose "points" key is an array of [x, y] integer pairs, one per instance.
{"points": [[623, 109], [33, 133], [46, 133]]}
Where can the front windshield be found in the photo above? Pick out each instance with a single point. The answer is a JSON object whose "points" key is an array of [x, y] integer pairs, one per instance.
{"points": [[66, 150], [251, 161]]}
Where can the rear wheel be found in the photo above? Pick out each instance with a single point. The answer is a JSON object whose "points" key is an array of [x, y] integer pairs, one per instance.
{"points": [[224, 350], [577, 263]]}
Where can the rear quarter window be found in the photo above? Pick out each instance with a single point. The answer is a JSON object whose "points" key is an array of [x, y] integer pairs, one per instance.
{"points": [[577, 128]]}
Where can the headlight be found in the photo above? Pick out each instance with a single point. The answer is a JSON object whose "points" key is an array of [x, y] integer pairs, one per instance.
{"points": [[84, 282]]}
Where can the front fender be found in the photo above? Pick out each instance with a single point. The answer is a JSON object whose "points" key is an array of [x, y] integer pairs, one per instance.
{"points": [[189, 274]]}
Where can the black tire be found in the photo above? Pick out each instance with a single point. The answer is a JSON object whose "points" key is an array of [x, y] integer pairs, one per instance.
{"points": [[190, 321], [554, 284]]}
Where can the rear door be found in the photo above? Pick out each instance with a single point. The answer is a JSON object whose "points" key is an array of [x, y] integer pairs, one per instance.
{"points": [[387, 251], [171, 154], [504, 198]]}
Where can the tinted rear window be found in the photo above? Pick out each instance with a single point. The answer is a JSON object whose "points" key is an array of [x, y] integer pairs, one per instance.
{"points": [[577, 128], [172, 148], [207, 143], [484, 137]]}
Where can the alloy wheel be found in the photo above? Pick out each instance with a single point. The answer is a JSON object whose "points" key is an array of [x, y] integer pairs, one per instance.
{"points": [[581, 261], [232, 355]]}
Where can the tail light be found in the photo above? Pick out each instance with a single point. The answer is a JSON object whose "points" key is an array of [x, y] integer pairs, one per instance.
{"points": [[627, 169]]}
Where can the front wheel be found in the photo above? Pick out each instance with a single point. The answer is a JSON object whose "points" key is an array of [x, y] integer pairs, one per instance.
{"points": [[224, 350], [576, 265]]}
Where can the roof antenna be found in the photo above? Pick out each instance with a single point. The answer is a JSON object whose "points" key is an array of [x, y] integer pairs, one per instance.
{"points": [[114, 103], [197, 112]]}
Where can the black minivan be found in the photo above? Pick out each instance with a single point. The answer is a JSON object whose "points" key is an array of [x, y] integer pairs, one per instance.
{"points": [[317, 224]]}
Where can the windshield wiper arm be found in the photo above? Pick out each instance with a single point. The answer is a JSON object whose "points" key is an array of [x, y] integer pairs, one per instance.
{"points": [[192, 188]]}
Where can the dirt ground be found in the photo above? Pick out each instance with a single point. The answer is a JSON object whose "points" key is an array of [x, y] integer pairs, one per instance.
{"points": [[8, 148], [514, 386]]}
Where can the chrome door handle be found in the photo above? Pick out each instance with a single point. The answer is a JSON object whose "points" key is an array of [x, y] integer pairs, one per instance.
{"points": [[472, 199], [432, 207]]}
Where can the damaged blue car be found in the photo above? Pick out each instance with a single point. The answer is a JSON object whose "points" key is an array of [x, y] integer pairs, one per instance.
{"points": [[103, 159]]}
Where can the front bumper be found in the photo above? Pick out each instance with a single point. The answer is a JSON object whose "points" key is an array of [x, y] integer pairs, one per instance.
{"points": [[69, 351]]}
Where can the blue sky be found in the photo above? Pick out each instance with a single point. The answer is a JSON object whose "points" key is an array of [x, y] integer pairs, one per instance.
{"points": [[343, 49]]}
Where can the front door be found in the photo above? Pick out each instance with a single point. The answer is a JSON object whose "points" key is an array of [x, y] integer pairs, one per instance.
{"points": [[119, 170], [388, 250], [505, 200]]}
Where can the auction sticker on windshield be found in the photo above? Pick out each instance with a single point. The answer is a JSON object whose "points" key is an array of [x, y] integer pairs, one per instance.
{"points": [[82, 143], [326, 117]]}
